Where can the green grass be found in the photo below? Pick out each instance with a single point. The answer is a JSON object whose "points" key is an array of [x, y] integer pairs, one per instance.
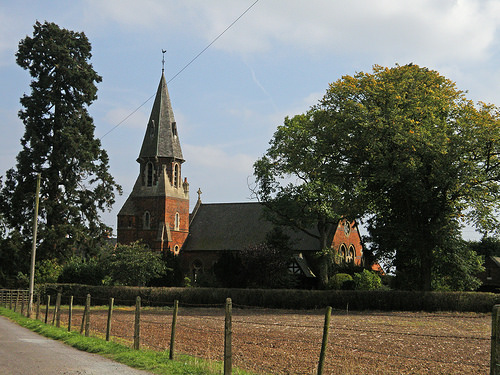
{"points": [[153, 361]]}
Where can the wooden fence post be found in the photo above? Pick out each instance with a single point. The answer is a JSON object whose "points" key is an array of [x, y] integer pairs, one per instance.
{"points": [[70, 313], [47, 309], [326, 328], [17, 300], [110, 313], [82, 327], [58, 310], [87, 316], [10, 299], [228, 337], [137, 324], [37, 316], [22, 302], [172, 333], [495, 333]]}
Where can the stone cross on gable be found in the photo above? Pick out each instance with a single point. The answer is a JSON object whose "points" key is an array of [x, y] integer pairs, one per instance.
{"points": [[199, 194]]}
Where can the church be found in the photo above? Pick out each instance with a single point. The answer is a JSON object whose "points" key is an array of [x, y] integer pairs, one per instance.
{"points": [[157, 210]]}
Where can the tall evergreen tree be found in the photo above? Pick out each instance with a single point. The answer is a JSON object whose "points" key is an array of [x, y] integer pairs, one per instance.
{"points": [[59, 143]]}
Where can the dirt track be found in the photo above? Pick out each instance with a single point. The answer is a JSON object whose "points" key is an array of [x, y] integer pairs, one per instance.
{"points": [[289, 342]]}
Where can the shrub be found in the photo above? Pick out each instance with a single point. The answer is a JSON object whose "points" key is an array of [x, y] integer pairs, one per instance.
{"points": [[78, 270], [339, 280], [367, 280]]}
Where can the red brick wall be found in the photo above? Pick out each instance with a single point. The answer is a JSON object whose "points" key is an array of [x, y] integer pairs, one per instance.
{"points": [[161, 209], [352, 240]]}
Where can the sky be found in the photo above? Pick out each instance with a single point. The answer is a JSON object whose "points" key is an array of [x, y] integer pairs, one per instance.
{"points": [[275, 61]]}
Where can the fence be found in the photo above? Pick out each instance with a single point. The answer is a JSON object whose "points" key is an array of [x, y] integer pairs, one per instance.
{"points": [[285, 342]]}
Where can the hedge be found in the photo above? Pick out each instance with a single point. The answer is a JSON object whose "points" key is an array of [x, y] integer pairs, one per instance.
{"points": [[387, 300]]}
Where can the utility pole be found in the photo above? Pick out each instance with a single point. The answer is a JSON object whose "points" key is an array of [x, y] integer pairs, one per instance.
{"points": [[33, 249]]}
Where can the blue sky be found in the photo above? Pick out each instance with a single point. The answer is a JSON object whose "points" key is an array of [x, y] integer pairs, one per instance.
{"points": [[275, 61]]}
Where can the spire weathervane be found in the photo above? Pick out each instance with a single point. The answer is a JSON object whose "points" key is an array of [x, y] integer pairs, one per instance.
{"points": [[163, 60]]}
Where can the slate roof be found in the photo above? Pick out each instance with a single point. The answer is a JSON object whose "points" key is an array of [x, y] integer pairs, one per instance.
{"points": [[161, 139], [235, 226]]}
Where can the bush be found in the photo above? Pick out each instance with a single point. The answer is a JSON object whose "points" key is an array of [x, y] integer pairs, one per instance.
{"points": [[387, 300], [340, 281], [367, 280], [78, 270]]}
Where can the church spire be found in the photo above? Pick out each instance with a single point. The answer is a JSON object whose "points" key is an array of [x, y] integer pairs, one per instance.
{"points": [[161, 139]]}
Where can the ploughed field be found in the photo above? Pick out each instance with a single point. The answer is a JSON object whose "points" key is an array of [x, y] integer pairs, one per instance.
{"points": [[289, 342]]}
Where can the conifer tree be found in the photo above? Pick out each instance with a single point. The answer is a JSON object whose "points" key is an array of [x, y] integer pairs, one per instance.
{"points": [[59, 143]]}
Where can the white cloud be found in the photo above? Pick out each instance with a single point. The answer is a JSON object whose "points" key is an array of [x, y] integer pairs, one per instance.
{"points": [[216, 158]]}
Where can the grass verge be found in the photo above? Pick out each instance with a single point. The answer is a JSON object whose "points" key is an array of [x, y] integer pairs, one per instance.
{"points": [[152, 361]]}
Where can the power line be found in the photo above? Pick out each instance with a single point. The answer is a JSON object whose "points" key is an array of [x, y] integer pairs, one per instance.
{"points": [[185, 66]]}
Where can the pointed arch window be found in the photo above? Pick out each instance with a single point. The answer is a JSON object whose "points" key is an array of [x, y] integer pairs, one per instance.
{"points": [[149, 174], [350, 255], [177, 221], [147, 220], [342, 253], [176, 250], [175, 176]]}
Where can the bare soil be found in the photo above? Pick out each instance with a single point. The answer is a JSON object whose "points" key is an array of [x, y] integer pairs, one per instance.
{"points": [[288, 342]]}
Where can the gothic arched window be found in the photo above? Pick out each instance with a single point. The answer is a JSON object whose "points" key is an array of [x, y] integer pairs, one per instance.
{"points": [[149, 174], [175, 177], [147, 220], [177, 221]]}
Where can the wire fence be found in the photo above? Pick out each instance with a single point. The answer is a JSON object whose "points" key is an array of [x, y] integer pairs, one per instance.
{"points": [[281, 342]]}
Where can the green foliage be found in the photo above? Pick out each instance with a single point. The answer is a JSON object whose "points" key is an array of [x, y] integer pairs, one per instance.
{"points": [[266, 267], [457, 268], [487, 246], [133, 264], [338, 281], [15, 256], [80, 270], [59, 143], [229, 270], [367, 280], [46, 271], [381, 299], [402, 147], [259, 266]]}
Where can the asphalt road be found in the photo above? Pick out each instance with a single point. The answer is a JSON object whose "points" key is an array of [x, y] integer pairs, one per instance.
{"points": [[24, 352]]}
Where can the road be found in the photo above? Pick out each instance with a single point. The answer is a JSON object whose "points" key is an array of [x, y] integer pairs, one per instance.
{"points": [[24, 352]]}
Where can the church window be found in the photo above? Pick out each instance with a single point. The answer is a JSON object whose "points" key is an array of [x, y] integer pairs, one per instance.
{"points": [[197, 268], [350, 255], [176, 175], [177, 221], [149, 174], [174, 129], [342, 253], [176, 249], [147, 220]]}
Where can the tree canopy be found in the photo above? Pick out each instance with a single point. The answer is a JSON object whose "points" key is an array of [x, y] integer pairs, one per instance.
{"points": [[59, 143], [402, 148]]}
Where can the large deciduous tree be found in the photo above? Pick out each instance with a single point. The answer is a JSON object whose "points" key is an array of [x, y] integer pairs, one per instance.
{"points": [[59, 143], [411, 153]]}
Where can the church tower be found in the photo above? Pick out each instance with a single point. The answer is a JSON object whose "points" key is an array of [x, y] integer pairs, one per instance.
{"points": [[157, 209]]}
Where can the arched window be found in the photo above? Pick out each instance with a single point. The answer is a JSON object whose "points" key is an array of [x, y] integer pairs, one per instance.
{"points": [[147, 220], [342, 253], [197, 267], [149, 174], [175, 177], [177, 221], [176, 250], [350, 255]]}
